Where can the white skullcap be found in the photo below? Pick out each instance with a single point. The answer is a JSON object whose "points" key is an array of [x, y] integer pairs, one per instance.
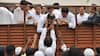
{"points": [[64, 47], [18, 50], [49, 52], [88, 52], [39, 53]]}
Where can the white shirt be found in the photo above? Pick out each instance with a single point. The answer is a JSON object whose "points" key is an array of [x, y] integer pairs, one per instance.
{"points": [[29, 14], [81, 18], [40, 21], [19, 16], [45, 49], [70, 19], [57, 13], [6, 17]]}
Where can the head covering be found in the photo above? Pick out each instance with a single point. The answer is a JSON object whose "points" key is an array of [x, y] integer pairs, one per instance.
{"points": [[18, 50], [49, 51], [88, 52], [39, 53]]}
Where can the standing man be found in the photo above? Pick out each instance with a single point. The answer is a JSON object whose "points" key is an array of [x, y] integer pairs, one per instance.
{"points": [[6, 17], [67, 17], [19, 13], [39, 18], [82, 16]]}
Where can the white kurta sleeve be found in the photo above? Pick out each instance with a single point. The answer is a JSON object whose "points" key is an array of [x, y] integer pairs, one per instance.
{"points": [[42, 38], [72, 21], [53, 36]]}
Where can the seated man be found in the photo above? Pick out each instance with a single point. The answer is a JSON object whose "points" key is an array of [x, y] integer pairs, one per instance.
{"points": [[67, 18], [88, 52], [82, 16], [48, 44]]}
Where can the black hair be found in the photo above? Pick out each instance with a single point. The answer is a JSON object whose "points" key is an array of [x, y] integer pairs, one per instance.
{"points": [[38, 6], [48, 40], [10, 50], [75, 52], [83, 7], [65, 10], [49, 16], [25, 2], [30, 51], [1, 51], [56, 4]]}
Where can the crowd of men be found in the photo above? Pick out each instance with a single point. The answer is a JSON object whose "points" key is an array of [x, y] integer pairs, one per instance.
{"points": [[45, 19]]}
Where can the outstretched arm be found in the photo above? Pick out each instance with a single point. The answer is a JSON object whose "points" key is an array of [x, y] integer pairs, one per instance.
{"points": [[34, 41], [42, 38]]}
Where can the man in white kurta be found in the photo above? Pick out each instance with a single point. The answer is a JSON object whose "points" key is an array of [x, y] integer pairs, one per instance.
{"points": [[48, 51], [68, 17], [19, 16], [6, 17], [39, 19], [82, 16]]}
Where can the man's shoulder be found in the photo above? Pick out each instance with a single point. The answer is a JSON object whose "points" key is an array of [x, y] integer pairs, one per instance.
{"points": [[70, 14]]}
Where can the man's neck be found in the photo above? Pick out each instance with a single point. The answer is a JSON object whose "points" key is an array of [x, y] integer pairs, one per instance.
{"points": [[37, 13], [81, 14]]}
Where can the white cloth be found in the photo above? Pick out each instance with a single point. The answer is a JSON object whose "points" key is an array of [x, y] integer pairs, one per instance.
{"points": [[29, 14], [40, 21], [57, 13], [6, 17], [45, 49], [82, 18], [18, 50], [39, 53], [70, 19], [19, 16], [88, 52]]}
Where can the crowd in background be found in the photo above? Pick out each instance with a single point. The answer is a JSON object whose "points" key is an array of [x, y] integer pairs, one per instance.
{"points": [[45, 18]]}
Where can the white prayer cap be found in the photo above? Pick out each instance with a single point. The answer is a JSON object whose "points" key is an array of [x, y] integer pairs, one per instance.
{"points": [[88, 52], [64, 47], [49, 51], [39, 53], [18, 50]]}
